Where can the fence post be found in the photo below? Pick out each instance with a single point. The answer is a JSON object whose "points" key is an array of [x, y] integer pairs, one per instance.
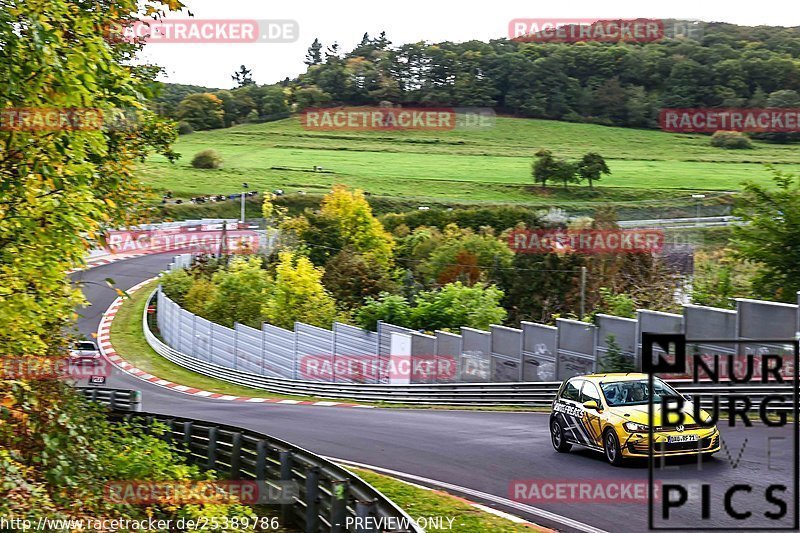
{"points": [[235, 347], [364, 510], [187, 434], [286, 475], [261, 460], [294, 357], [263, 349], [212, 448], [113, 400], [312, 499], [379, 374], [194, 337], [236, 455], [333, 352], [211, 343], [339, 491]]}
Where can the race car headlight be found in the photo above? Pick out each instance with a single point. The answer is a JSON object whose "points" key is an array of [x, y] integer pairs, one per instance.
{"points": [[633, 427]]}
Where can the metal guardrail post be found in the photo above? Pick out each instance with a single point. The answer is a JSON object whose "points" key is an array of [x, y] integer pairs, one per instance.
{"points": [[261, 460], [212, 448], [113, 400], [136, 400], [236, 452], [286, 475], [340, 489], [363, 511], [187, 434], [312, 499]]}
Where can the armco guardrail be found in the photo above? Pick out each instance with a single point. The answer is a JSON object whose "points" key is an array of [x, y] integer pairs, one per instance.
{"points": [[329, 498], [534, 394], [116, 399]]}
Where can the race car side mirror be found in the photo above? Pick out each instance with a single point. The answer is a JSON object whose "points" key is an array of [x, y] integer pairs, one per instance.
{"points": [[591, 404]]}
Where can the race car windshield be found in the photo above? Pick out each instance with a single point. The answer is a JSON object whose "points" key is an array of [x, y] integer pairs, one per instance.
{"points": [[85, 346], [635, 392]]}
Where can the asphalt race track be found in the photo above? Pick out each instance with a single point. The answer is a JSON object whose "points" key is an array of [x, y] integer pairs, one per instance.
{"points": [[484, 451]]}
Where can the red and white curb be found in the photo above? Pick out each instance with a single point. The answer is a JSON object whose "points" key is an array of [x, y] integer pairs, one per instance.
{"points": [[107, 349]]}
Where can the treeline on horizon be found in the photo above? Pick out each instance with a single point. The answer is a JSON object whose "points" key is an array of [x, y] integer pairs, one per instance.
{"points": [[620, 84]]}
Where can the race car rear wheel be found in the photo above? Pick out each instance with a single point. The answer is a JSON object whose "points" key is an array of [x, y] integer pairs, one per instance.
{"points": [[557, 437], [611, 447]]}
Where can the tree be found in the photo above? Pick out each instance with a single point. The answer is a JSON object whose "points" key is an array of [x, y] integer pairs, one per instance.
{"points": [[311, 97], [614, 360], [544, 167], [768, 235], [389, 308], [229, 108], [239, 293], [357, 225], [59, 189], [466, 256], [455, 305], [565, 172], [243, 77], [351, 279], [314, 54], [591, 167], [718, 278], [203, 111], [297, 295]]}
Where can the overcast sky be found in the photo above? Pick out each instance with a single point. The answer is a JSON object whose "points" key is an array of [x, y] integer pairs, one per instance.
{"points": [[407, 21]]}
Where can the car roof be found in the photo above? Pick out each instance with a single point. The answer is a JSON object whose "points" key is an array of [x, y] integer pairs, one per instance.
{"points": [[619, 376]]}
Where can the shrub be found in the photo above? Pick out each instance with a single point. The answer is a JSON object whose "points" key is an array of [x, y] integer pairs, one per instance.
{"points": [[207, 159], [184, 128], [731, 140]]}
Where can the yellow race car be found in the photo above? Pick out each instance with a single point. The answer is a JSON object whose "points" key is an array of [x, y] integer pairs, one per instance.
{"points": [[609, 413]]}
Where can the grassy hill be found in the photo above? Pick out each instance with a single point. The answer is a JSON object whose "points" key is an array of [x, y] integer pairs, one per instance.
{"points": [[489, 165]]}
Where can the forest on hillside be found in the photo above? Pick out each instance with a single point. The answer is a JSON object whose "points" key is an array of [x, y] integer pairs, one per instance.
{"points": [[623, 84]]}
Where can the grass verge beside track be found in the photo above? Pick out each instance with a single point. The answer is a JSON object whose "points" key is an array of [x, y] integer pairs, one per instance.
{"points": [[128, 339], [420, 502]]}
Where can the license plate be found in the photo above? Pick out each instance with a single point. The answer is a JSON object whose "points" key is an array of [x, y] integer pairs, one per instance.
{"points": [[682, 438]]}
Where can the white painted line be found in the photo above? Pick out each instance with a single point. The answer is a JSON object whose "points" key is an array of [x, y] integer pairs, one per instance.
{"points": [[501, 514], [162, 382], [326, 404], [256, 400], [290, 401], [227, 397], [181, 388], [203, 393], [529, 509]]}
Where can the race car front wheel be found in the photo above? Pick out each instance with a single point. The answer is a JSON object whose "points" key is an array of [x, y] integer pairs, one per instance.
{"points": [[557, 436], [611, 447]]}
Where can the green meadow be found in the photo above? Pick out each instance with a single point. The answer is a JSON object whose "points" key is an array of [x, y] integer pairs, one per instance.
{"points": [[478, 165]]}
